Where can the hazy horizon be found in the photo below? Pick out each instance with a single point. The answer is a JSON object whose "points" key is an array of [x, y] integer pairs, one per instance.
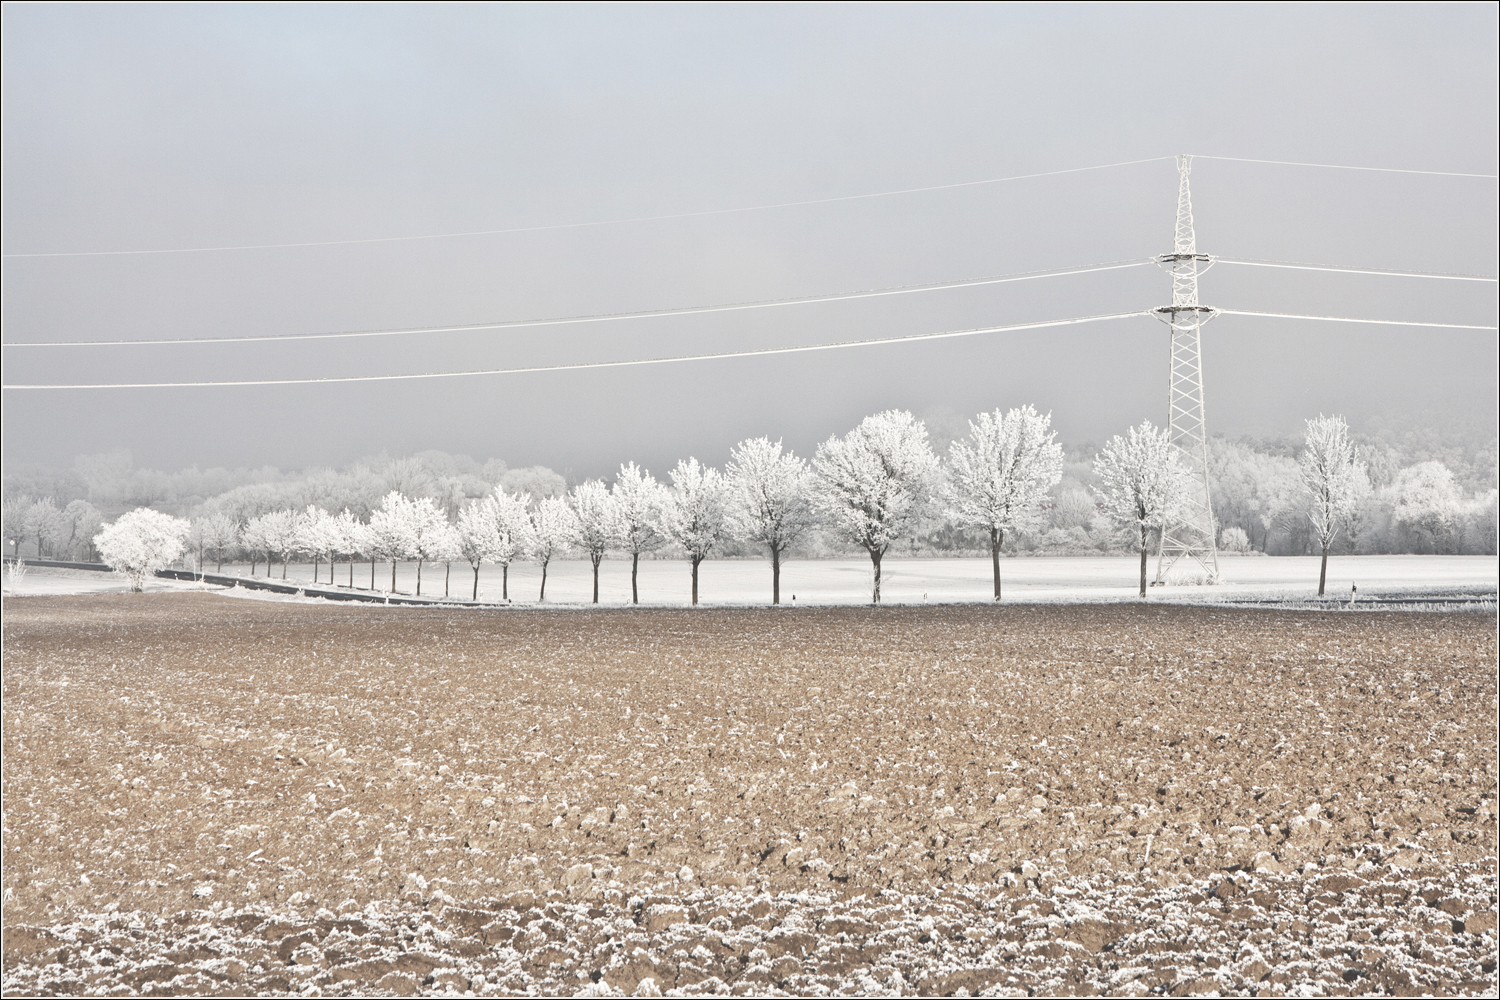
{"points": [[161, 128]]}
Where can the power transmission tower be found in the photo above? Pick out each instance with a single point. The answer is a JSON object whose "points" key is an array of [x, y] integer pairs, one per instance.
{"points": [[1191, 532]]}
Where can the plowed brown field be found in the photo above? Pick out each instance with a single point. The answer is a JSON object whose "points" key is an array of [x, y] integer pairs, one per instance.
{"points": [[210, 795]]}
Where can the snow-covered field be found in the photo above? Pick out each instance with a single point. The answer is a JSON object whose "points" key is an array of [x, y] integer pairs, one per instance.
{"points": [[905, 581]]}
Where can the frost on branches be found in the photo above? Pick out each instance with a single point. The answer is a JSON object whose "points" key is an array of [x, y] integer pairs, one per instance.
{"points": [[769, 499], [141, 542], [877, 483], [694, 514], [639, 500], [1000, 475], [596, 522], [1335, 481], [550, 532], [1141, 482]]}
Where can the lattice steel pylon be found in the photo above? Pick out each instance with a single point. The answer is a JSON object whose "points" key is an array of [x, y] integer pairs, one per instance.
{"points": [[1191, 532]]}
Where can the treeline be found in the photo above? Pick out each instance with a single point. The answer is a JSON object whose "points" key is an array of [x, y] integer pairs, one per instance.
{"points": [[1426, 495]]}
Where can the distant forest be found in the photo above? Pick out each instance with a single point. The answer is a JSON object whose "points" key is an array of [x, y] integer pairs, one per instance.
{"points": [[1433, 492]]}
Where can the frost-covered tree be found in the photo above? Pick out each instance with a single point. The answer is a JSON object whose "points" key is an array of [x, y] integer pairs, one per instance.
{"points": [[551, 530], [43, 523], [254, 542], [639, 498], [476, 534], [1141, 482], [282, 533], [393, 530], [429, 533], [694, 514], [318, 535], [596, 522], [1427, 502], [447, 547], [770, 499], [1000, 474], [1335, 481], [351, 540], [218, 532], [512, 524], [877, 483], [141, 542]]}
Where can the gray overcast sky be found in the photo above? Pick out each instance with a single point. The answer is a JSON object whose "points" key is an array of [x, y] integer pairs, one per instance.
{"points": [[130, 128]]}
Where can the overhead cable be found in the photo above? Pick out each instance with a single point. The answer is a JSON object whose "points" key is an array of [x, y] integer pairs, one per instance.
{"points": [[606, 317], [1350, 319], [586, 225], [764, 352], [1341, 166], [1298, 266]]}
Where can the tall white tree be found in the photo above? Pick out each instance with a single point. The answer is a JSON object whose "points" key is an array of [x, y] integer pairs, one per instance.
{"points": [[596, 522], [1141, 482], [1426, 500], [447, 546], [352, 539], [551, 530], [281, 530], [219, 532], [694, 514], [999, 476], [253, 538], [770, 499], [1335, 480], [393, 530], [512, 524], [141, 542], [878, 482], [477, 532], [317, 535], [429, 533], [44, 523], [639, 499]]}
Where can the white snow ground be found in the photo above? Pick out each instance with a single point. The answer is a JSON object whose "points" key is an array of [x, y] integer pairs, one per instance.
{"points": [[734, 582]]}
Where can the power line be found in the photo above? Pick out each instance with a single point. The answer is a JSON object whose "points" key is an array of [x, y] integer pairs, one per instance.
{"points": [[598, 364], [1298, 266], [1341, 166], [586, 225], [723, 355], [605, 317], [1350, 319]]}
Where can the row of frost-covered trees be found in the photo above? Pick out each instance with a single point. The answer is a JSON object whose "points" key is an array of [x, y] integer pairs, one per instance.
{"points": [[1005, 485]]}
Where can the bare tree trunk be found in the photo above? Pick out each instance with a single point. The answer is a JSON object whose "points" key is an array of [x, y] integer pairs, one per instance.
{"points": [[447, 574], [1323, 570], [476, 583], [219, 565], [505, 582], [1143, 562], [543, 595], [695, 561], [316, 563], [393, 576], [596, 556], [283, 565], [419, 576], [253, 561], [351, 573], [997, 539], [875, 557], [635, 562], [372, 573], [775, 575]]}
